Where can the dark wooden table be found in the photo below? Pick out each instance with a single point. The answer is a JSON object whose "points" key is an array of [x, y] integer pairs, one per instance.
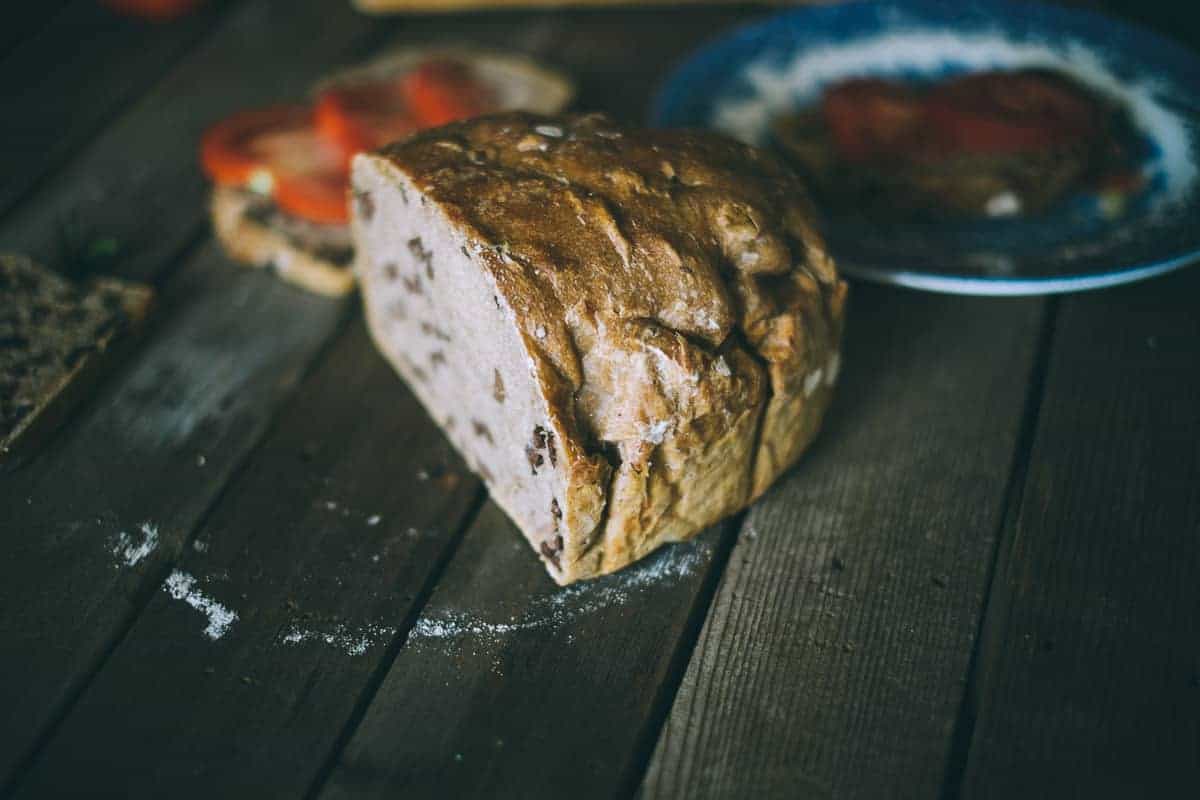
{"points": [[250, 566]]}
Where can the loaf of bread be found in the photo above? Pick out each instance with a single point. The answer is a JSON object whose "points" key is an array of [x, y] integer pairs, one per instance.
{"points": [[628, 334]]}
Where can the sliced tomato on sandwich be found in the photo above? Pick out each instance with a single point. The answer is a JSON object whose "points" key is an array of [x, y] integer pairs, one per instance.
{"points": [[300, 156], [367, 114], [278, 152], [441, 91], [363, 116]]}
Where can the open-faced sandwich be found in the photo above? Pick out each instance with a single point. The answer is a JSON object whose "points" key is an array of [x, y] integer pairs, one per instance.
{"points": [[988, 144], [281, 173]]}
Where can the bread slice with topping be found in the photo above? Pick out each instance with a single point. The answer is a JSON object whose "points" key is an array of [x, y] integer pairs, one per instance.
{"points": [[316, 255], [628, 334], [255, 232]]}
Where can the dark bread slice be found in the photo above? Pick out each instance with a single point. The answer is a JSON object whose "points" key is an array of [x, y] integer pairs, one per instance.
{"points": [[56, 337], [255, 232]]}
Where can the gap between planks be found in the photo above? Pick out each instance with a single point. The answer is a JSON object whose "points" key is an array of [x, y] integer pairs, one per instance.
{"points": [[272, 373], [96, 185], [964, 724], [1089, 670], [834, 657], [143, 262], [273, 538], [395, 646]]}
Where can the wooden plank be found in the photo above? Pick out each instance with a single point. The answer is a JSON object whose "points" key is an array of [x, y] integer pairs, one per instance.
{"points": [[834, 660], [620, 58], [63, 82], [134, 195], [24, 20], [1089, 676], [152, 451], [509, 686], [321, 548], [153, 210]]}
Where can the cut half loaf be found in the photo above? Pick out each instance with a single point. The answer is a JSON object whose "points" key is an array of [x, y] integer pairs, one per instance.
{"points": [[628, 334]]}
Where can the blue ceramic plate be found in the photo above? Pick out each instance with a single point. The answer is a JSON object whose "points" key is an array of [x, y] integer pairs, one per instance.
{"points": [[740, 82]]}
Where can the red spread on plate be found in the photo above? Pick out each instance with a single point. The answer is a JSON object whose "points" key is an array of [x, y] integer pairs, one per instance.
{"points": [[981, 113]]}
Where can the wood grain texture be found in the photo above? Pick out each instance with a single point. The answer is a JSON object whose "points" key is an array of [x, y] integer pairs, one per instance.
{"points": [[208, 386], [321, 547], [621, 58], [155, 448], [835, 657], [134, 194], [25, 20], [76, 73], [509, 686], [1089, 680]]}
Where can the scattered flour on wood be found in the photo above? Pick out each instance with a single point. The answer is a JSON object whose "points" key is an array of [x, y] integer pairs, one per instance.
{"points": [[351, 640], [129, 548], [570, 603], [182, 586]]}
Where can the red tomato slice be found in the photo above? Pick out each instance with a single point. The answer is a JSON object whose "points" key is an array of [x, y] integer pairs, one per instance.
{"points": [[367, 115], [363, 116], [442, 91], [314, 197], [278, 151], [226, 150]]}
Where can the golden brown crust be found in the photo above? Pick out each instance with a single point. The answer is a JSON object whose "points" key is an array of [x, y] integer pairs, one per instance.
{"points": [[671, 290]]}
